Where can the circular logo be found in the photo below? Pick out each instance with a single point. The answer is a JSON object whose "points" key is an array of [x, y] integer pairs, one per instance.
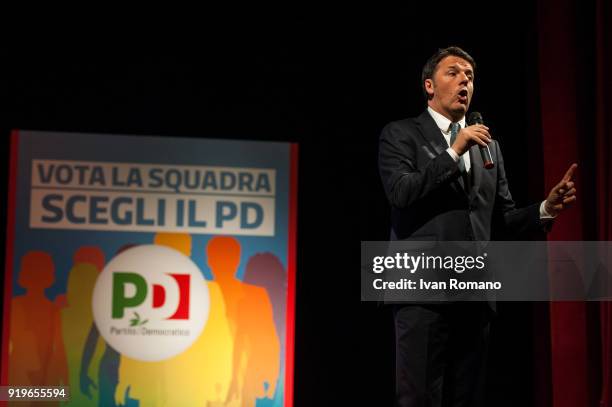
{"points": [[150, 302]]}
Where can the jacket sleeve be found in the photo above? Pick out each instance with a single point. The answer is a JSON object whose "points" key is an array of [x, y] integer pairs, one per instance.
{"points": [[403, 181], [515, 221]]}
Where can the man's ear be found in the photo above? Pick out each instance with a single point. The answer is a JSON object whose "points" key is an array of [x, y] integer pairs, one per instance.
{"points": [[429, 87]]}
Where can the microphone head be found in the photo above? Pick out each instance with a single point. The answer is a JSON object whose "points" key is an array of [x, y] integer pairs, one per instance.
{"points": [[475, 118]]}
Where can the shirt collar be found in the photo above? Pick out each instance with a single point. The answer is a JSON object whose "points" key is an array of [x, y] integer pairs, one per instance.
{"points": [[442, 122]]}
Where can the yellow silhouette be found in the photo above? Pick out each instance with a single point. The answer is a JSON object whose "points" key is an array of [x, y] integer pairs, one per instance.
{"points": [[199, 376], [36, 349], [177, 241], [77, 318]]}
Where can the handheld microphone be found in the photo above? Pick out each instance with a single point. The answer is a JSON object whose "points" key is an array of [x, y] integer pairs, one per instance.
{"points": [[485, 153]]}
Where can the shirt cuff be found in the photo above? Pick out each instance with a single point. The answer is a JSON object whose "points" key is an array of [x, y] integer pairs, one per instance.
{"points": [[455, 156], [543, 213]]}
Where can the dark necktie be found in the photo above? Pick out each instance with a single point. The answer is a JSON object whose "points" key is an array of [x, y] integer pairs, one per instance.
{"points": [[454, 128]]}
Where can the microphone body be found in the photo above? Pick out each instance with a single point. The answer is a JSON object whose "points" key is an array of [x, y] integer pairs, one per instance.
{"points": [[485, 153]]}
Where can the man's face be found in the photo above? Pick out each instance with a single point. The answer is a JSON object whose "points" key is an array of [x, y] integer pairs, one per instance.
{"points": [[452, 87]]}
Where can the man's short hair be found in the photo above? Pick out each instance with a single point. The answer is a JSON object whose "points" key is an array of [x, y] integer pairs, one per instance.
{"points": [[430, 66]]}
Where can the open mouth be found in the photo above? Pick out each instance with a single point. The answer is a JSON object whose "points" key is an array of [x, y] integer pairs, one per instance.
{"points": [[463, 96]]}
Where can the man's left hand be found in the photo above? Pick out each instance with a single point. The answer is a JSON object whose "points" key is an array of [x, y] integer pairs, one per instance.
{"points": [[563, 194]]}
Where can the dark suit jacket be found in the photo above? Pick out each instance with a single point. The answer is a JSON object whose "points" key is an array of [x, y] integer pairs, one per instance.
{"points": [[425, 189]]}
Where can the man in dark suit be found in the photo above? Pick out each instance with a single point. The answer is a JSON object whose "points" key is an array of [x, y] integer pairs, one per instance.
{"points": [[434, 179]]}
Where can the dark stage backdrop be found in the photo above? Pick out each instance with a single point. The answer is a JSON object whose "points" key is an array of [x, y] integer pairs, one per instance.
{"points": [[542, 84], [575, 66], [330, 83]]}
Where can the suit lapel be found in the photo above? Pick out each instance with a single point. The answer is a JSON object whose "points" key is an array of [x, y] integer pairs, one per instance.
{"points": [[431, 133]]}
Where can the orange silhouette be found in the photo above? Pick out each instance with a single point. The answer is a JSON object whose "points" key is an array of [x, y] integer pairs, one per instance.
{"points": [[91, 255], [223, 258], [36, 349], [256, 356], [256, 347]]}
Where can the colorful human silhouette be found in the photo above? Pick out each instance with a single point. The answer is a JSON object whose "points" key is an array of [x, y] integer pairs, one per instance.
{"points": [[108, 369], [256, 348], [77, 318], [200, 375], [223, 259], [89, 255], [177, 241], [36, 349], [107, 372], [266, 270], [255, 360]]}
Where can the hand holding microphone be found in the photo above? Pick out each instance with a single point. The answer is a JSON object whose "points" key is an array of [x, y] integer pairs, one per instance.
{"points": [[475, 133], [476, 119]]}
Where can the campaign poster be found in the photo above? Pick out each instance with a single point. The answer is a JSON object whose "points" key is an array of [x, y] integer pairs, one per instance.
{"points": [[151, 271]]}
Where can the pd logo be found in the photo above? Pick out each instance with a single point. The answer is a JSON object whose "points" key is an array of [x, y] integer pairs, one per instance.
{"points": [[121, 302], [150, 302]]}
